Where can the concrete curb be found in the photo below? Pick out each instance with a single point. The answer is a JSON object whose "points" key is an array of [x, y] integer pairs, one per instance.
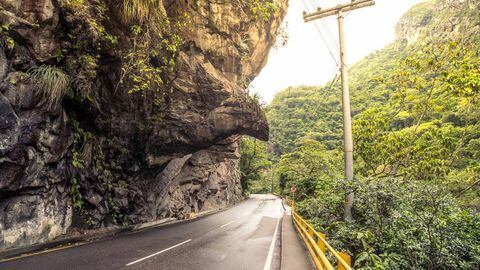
{"points": [[100, 234]]}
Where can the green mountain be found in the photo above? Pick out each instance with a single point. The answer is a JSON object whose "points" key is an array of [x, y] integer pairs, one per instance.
{"points": [[414, 103], [416, 128], [316, 111]]}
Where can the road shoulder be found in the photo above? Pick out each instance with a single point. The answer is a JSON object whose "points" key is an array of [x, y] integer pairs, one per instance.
{"points": [[294, 254]]}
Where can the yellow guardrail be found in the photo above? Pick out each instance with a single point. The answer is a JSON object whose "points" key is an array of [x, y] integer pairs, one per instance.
{"points": [[317, 245]]}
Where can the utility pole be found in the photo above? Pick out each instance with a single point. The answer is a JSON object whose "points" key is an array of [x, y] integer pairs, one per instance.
{"points": [[347, 118]]}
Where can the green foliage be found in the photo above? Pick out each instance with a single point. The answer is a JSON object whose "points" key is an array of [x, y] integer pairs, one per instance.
{"points": [[150, 45], [262, 9], [89, 32], [5, 30], [415, 112], [115, 213], [463, 79], [424, 130], [76, 195], [86, 65], [85, 42], [51, 82], [420, 223], [304, 111], [77, 3], [417, 138], [80, 139], [78, 201], [142, 10], [89, 158], [152, 55], [310, 166], [254, 165], [420, 13], [137, 65], [398, 225]]}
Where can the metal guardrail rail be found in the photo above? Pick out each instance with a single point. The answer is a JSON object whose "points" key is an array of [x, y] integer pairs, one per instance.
{"points": [[317, 245]]}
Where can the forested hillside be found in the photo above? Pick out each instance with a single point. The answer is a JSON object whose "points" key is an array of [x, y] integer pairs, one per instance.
{"points": [[415, 102], [416, 113]]}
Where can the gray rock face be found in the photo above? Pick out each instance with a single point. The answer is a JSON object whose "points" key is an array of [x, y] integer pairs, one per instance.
{"points": [[419, 23], [114, 158], [34, 204]]}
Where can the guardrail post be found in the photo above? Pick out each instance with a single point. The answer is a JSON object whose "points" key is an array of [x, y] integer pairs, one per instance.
{"points": [[346, 258], [321, 244]]}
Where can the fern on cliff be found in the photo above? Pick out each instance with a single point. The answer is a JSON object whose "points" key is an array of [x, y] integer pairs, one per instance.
{"points": [[51, 82], [141, 10]]}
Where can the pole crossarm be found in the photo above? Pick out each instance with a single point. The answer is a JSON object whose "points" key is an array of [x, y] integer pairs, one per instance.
{"points": [[308, 17]]}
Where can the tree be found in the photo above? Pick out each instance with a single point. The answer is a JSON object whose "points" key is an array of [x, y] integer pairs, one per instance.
{"points": [[309, 168], [254, 161]]}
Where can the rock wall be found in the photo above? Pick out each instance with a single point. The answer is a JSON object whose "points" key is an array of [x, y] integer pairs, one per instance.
{"points": [[105, 155], [420, 22]]}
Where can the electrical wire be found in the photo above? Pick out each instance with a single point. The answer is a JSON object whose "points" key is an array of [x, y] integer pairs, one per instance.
{"points": [[335, 47], [327, 92], [328, 89], [333, 40], [323, 37], [325, 26], [328, 46], [314, 4]]}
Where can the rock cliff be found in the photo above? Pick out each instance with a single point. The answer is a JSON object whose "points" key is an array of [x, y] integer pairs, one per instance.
{"points": [[438, 19], [115, 112]]}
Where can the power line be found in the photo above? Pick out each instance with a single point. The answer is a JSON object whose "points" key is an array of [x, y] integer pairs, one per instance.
{"points": [[332, 83], [323, 38], [327, 45], [326, 28], [335, 45]]}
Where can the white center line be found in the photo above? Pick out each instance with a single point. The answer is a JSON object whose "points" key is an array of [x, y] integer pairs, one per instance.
{"points": [[268, 262], [226, 224], [161, 251]]}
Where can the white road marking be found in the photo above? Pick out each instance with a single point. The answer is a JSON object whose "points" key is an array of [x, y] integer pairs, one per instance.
{"points": [[161, 251], [268, 262], [226, 224]]}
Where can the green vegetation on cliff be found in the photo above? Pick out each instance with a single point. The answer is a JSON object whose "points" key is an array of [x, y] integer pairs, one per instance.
{"points": [[117, 112]]}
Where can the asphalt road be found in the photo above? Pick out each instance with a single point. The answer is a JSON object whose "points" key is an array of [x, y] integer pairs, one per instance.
{"points": [[242, 237]]}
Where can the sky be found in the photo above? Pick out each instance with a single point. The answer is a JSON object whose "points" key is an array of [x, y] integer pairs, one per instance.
{"points": [[307, 60]]}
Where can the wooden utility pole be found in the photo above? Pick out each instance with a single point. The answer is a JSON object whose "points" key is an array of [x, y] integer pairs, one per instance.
{"points": [[347, 118]]}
